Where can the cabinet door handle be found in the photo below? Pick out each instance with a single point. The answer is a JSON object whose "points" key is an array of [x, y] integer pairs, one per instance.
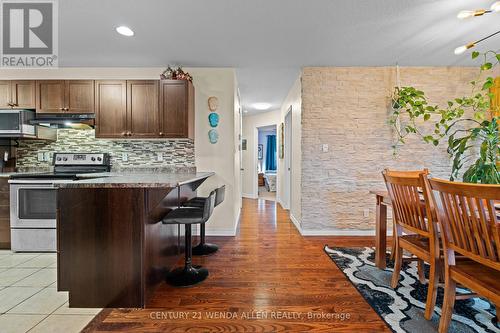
{"points": [[129, 133], [66, 109], [124, 133], [161, 133]]}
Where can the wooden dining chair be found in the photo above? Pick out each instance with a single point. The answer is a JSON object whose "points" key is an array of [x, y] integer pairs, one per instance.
{"points": [[470, 228], [415, 228]]}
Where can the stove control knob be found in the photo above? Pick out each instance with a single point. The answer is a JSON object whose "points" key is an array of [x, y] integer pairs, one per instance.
{"points": [[93, 159], [99, 159], [65, 159], [58, 159]]}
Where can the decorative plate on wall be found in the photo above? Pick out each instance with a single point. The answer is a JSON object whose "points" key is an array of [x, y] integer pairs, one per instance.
{"points": [[213, 136], [213, 103], [213, 119]]}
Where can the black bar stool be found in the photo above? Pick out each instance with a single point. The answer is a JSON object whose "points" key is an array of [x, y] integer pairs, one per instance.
{"points": [[189, 275], [204, 248]]}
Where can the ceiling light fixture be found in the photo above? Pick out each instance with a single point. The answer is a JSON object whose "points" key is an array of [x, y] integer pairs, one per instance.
{"points": [[471, 13], [125, 31], [262, 106], [463, 48], [495, 7]]}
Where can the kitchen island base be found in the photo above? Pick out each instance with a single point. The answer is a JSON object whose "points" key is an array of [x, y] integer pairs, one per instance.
{"points": [[113, 249]]}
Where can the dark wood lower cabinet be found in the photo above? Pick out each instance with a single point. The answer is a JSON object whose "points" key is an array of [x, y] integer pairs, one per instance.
{"points": [[4, 214], [113, 249]]}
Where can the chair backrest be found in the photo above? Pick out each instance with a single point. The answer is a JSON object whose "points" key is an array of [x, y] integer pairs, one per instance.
{"points": [[220, 195], [468, 219], [408, 193], [208, 207]]}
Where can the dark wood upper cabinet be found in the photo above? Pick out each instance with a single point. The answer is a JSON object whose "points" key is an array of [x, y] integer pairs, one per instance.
{"points": [[20, 94], [142, 109], [50, 96], [23, 94], [176, 109], [111, 109], [5, 95], [68, 96], [80, 96]]}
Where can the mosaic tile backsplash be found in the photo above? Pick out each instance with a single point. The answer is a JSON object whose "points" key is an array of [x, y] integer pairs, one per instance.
{"points": [[142, 154]]}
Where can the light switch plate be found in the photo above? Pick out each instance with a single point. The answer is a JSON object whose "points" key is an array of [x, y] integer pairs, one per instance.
{"points": [[366, 213], [41, 157], [159, 157], [124, 157]]}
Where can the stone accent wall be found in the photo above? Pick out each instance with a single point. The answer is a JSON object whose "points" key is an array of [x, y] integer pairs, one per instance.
{"points": [[347, 108], [141, 153]]}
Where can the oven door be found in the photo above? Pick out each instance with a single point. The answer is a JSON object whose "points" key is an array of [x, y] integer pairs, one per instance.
{"points": [[33, 206]]}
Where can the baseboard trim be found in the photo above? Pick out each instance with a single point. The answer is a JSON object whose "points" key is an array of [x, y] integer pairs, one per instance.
{"points": [[333, 232], [296, 223], [225, 232], [249, 196], [340, 232]]}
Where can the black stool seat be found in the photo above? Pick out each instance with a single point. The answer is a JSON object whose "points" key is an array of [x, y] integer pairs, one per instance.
{"points": [[203, 248], [189, 275], [184, 215]]}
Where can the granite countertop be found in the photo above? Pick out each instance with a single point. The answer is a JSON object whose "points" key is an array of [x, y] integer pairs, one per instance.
{"points": [[6, 174], [134, 180]]}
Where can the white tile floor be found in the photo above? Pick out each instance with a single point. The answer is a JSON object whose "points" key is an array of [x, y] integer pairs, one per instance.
{"points": [[29, 300]]}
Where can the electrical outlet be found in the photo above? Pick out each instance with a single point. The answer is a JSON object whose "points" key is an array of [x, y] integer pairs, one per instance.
{"points": [[324, 147], [159, 157], [124, 157], [41, 157], [366, 213], [47, 156]]}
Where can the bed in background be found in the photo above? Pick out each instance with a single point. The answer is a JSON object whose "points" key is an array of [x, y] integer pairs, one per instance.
{"points": [[270, 180]]}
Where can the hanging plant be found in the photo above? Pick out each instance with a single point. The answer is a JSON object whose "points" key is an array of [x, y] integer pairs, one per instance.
{"points": [[465, 122]]}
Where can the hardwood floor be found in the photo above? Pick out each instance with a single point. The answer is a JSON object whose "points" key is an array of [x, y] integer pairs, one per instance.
{"points": [[267, 270]]}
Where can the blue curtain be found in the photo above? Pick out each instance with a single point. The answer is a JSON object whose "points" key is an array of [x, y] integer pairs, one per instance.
{"points": [[271, 153]]}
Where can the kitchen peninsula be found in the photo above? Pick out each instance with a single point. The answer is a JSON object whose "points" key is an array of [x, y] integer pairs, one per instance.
{"points": [[113, 249]]}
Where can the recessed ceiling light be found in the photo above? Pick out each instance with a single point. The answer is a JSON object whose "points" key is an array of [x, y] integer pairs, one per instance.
{"points": [[125, 31], [262, 106]]}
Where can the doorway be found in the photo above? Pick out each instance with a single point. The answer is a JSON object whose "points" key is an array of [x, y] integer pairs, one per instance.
{"points": [[267, 162], [287, 177]]}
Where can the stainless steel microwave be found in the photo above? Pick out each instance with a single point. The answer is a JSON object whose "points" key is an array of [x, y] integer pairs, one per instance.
{"points": [[16, 124]]}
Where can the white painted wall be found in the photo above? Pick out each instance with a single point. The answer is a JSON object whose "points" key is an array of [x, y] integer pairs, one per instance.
{"points": [[220, 158], [293, 99], [249, 158]]}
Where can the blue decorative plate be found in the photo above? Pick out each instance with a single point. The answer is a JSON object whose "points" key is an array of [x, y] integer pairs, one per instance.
{"points": [[213, 119], [213, 136]]}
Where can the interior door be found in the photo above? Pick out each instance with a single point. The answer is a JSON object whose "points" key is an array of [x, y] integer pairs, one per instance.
{"points": [[288, 159], [142, 108]]}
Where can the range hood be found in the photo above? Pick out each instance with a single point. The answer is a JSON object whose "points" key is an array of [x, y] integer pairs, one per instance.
{"points": [[84, 120]]}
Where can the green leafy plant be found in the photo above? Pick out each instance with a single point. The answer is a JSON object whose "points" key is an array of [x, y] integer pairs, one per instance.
{"points": [[466, 122]]}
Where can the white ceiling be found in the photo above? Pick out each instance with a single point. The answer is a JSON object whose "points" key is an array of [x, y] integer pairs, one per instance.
{"points": [[268, 41]]}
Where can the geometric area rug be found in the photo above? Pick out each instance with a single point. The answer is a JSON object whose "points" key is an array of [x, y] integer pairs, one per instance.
{"points": [[403, 309]]}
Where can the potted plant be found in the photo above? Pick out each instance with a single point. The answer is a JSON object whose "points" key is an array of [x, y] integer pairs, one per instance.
{"points": [[466, 122]]}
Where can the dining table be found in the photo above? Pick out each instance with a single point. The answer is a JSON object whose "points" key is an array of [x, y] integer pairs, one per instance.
{"points": [[382, 202]]}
